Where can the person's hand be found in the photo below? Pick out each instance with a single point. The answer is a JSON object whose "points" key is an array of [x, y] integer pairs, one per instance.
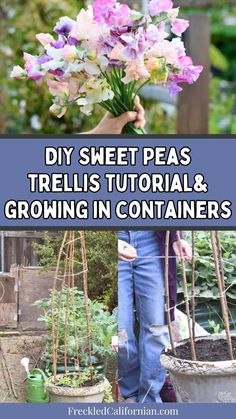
{"points": [[186, 249], [126, 252], [114, 125]]}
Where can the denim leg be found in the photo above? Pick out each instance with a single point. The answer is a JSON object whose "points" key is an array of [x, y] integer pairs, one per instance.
{"points": [[128, 358], [153, 337]]}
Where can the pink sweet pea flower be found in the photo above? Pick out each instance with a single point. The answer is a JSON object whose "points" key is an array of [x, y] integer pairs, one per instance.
{"points": [[111, 12], [190, 72], [179, 26], [159, 6], [69, 53], [32, 67], [101, 9], [58, 88], [44, 38], [119, 16], [135, 71]]}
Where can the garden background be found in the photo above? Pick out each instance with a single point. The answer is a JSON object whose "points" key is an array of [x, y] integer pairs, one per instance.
{"points": [[24, 106]]}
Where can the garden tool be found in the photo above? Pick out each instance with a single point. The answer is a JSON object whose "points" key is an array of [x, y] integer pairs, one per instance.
{"points": [[35, 384]]}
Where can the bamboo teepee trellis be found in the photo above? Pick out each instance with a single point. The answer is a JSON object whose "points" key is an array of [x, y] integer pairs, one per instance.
{"points": [[219, 270], [67, 275]]}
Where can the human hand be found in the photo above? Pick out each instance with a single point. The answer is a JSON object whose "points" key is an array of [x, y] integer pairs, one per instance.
{"points": [[114, 125], [185, 247], [126, 252]]}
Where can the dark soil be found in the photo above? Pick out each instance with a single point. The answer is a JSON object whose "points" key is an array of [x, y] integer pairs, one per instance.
{"points": [[207, 350]]}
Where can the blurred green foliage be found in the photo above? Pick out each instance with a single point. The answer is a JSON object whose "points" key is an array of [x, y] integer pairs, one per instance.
{"points": [[206, 283], [102, 262], [24, 105]]}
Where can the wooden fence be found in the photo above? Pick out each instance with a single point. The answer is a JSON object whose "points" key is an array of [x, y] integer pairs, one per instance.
{"points": [[17, 248], [18, 291]]}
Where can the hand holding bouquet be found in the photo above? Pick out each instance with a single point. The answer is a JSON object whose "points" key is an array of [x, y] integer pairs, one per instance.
{"points": [[108, 53]]}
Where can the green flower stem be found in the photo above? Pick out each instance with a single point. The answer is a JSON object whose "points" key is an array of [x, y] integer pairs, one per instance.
{"points": [[124, 97]]}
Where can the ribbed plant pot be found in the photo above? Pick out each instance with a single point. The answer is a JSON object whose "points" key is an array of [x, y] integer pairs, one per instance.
{"points": [[91, 394], [202, 382]]}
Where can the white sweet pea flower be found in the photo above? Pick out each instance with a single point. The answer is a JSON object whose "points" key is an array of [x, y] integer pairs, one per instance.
{"points": [[173, 13], [18, 72], [85, 107], [97, 91], [54, 53], [91, 67]]}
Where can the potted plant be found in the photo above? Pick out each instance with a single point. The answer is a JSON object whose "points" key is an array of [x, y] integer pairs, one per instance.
{"points": [[202, 369], [103, 327], [70, 343]]}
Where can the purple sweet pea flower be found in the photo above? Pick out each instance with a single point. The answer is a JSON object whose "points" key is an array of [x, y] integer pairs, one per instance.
{"points": [[115, 63], [44, 59], [173, 88], [32, 67], [134, 46], [64, 26], [72, 41], [193, 72], [159, 6], [190, 72], [117, 31], [57, 73], [59, 43], [106, 44]]}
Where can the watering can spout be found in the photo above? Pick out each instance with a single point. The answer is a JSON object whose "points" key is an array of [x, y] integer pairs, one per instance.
{"points": [[25, 364]]}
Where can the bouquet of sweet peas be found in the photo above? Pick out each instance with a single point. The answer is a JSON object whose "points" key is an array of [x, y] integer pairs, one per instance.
{"points": [[108, 53]]}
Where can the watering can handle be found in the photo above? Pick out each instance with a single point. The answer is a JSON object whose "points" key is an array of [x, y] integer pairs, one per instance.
{"points": [[39, 371]]}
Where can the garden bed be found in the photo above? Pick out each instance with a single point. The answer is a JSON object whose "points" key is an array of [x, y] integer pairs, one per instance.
{"points": [[14, 349]]}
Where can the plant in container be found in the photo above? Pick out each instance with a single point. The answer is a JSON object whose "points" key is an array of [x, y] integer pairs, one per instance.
{"points": [[203, 370], [103, 327], [84, 384]]}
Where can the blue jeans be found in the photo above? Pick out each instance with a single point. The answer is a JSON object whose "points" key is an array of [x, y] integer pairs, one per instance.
{"points": [[141, 286]]}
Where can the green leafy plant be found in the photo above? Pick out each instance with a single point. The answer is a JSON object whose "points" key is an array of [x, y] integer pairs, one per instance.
{"points": [[102, 262], [215, 327], [206, 284], [73, 380], [103, 327]]}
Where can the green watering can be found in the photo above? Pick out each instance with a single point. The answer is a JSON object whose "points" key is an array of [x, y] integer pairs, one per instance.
{"points": [[35, 384]]}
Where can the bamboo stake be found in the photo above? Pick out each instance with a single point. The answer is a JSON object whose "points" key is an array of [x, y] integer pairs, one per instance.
{"points": [[193, 286], [221, 266], [73, 308], [220, 259], [186, 298], [5, 377], [70, 262], [54, 350], [85, 282], [223, 301], [60, 301], [4, 362], [167, 296]]}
